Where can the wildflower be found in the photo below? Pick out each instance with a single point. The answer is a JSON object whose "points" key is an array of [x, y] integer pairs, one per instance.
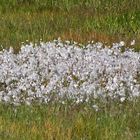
{"points": [[122, 99], [95, 107], [122, 43], [132, 42], [36, 73]]}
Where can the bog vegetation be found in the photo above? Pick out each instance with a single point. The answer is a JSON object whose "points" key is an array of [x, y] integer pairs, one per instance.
{"points": [[80, 20], [31, 73]]}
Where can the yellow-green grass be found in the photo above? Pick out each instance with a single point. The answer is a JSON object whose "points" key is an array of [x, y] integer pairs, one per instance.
{"points": [[114, 121], [106, 21], [79, 20]]}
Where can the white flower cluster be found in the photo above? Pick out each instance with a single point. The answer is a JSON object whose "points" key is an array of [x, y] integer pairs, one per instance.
{"points": [[57, 70]]}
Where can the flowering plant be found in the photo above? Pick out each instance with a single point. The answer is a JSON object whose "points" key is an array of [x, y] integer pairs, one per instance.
{"points": [[57, 69]]}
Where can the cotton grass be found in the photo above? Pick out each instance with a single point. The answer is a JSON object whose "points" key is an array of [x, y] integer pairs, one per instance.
{"points": [[63, 70]]}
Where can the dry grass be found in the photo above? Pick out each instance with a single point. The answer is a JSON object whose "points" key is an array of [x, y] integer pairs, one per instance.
{"points": [[106, 21], [80, 21], [73, 122]]}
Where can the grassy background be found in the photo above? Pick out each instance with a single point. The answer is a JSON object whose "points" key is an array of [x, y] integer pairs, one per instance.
{"points": [[80, 20], [116, 121]]}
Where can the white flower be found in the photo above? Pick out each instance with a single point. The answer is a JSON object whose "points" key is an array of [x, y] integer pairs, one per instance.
{"points": [[96, 107], [122, 43], [122, 99], [6, 98], [132, 42], [36, 73]]}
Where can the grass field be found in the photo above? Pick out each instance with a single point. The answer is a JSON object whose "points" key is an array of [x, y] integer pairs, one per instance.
{"points": [[72, 122], [79, 20], [107, 21]]}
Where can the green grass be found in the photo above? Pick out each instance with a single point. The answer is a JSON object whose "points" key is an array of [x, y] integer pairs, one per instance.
{"points": [[113, 121], [80, 20], [107, 21]]}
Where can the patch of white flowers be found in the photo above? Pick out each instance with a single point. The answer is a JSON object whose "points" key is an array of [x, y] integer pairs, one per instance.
{"points": [[57, 70]]}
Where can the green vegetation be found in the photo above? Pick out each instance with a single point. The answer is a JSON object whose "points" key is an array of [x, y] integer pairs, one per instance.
{"points": [[80, 20], [116, 121]]}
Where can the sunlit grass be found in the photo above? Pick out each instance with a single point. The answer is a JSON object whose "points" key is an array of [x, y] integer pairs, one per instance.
{"points": [[79, 20], [106, 21], [115, 121]]}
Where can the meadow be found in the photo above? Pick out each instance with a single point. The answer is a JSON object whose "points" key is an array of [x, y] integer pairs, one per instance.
{"points": [[107, 21], [82, 21], [72, 122]]}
